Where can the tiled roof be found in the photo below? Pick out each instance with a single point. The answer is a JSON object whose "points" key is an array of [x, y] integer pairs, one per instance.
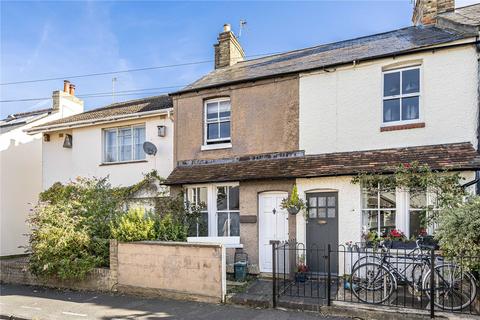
{"points": [[117, 109], [468, 15], [364, 48], [23, 117], [455, 156]]}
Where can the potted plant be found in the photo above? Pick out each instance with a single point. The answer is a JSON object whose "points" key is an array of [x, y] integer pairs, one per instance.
{"points": [[302, 269], [293, 204]]}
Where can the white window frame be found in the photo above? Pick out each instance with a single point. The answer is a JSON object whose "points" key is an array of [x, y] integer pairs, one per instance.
{"points": [[218, 143], [117, 129], [379, 209], [190, 195], [402, 211], [228, 211], [230, 241], [430, 202], [402, 96]]}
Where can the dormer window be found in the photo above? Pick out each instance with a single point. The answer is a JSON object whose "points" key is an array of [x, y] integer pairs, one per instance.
{"points": [[217, 122], [401, 96]]}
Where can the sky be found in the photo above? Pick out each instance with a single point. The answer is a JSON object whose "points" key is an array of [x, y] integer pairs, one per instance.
{"points": [[43, 39]]}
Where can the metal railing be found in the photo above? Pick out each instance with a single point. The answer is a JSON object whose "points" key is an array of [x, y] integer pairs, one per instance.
{"points": [[417, 278]]}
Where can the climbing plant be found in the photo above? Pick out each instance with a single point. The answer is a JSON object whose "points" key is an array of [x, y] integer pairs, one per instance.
{"points": [[416, 177]]}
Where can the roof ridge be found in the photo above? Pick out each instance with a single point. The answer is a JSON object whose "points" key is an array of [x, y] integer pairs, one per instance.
{"points": [[466, 6], [122, 103], [25, 113], [333, 43]]}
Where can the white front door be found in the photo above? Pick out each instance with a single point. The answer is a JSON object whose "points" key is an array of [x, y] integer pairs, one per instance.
{"points": [[273, 225]]}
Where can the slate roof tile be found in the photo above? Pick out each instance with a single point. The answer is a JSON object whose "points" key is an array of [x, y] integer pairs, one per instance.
{"points": [[327, 55]]}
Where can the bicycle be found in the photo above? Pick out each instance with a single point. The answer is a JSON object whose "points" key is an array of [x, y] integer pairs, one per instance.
{"points": [[375, 279]]}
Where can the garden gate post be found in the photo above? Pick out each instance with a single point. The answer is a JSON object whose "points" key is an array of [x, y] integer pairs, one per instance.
{"points": [[432, 282], [329, 276], [274, 244]]}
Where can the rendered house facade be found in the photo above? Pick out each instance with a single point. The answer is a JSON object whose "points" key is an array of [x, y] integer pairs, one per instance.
{"points": [[108, 142], [21, 167], [244, 138]]}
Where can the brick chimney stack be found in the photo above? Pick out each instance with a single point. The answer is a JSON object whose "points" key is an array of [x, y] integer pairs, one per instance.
{"points": [[228, 50], [65, 100], [425, 12]]}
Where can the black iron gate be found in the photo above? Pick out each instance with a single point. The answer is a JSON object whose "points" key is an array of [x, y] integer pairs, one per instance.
{"points": [[376, 276]]}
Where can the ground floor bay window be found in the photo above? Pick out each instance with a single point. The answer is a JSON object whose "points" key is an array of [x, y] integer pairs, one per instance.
{"points": [[220, 213], [402, 210]]}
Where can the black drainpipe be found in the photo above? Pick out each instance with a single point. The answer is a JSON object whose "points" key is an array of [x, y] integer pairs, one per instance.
{"points": [[477, 173]]}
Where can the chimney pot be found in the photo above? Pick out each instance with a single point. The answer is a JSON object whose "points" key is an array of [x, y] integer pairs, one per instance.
{"points": [[227, 27], [66, 86], [72, 89]]}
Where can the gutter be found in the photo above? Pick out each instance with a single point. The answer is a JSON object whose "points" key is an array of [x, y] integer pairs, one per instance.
{"points": [[86, 123], [334, 65]]}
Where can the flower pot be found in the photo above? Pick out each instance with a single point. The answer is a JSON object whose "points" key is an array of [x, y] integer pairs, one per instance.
{"points": [[293, 210], [406, 245]]}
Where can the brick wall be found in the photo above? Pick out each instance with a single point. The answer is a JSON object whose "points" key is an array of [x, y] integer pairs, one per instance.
{"points": [[15, 270]]}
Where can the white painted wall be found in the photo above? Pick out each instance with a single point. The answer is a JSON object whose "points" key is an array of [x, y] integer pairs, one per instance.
{"points": [[342, 110], [349, 204], [21, 176], [84, 159]]}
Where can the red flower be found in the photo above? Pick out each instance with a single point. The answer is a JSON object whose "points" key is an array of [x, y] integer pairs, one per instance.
{"points": [[396, 234]]}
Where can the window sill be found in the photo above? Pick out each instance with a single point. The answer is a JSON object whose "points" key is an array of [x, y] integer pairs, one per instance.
{"points": [[228, 242], [216, 146], [121, 162], [402, 126]]}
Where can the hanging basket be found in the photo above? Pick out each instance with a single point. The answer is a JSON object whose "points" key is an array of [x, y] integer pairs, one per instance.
{"points": [[293, 210]]}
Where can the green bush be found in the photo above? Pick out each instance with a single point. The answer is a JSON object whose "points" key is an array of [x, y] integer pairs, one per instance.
{"points": [[72, 224], [61, 243], [459, 232], [71, 227], [134, 225], [170, 229]]}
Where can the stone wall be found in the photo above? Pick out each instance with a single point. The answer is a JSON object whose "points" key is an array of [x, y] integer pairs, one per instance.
{"points": [[15, 270], [177, 270]]}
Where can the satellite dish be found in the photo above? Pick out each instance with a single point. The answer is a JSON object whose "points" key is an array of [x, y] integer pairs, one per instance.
{"points": [[149, 148]]}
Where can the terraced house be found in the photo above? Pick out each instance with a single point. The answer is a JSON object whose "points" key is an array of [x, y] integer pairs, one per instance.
{"points": [[108, 142], [249, 130]]}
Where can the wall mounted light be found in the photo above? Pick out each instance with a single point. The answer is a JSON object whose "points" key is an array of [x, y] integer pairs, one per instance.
{"points": [[68, 142], [162, 131], [46, 137]]}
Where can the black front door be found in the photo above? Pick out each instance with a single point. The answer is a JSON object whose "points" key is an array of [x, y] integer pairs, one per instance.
{"points": [[322, 229]]}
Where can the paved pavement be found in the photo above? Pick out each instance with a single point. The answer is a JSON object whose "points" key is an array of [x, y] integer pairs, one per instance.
{"points": [[25, 302]]}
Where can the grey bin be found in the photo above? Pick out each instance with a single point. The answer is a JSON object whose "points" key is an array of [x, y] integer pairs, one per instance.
{"points": [[240, 265], [240, 270]]}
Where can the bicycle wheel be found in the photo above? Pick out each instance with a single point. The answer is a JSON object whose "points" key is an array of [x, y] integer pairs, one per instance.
{"points": [[372, 283], [367, 259], [454, 288]]}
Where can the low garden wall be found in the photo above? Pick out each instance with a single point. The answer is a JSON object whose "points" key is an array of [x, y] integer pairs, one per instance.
{"points": [[193, 271], [179, 270], [15, 270]]}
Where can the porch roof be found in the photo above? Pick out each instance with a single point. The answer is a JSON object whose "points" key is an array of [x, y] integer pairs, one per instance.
{"points": [[454, 156]]}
